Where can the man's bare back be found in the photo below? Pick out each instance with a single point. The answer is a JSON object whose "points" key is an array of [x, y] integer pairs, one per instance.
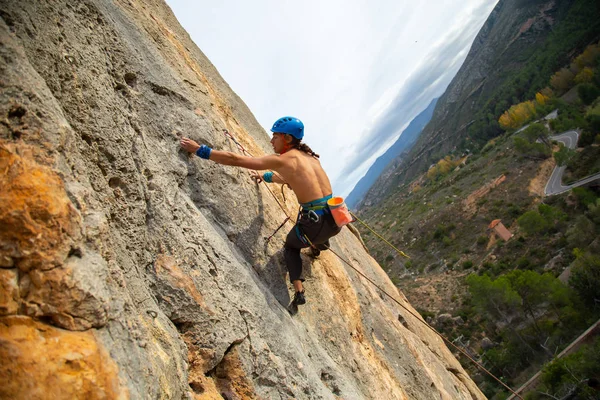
{"points": [[305, 176]]}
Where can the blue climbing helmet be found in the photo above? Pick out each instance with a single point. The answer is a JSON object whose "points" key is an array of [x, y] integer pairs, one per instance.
{"points": [[289, 125]]}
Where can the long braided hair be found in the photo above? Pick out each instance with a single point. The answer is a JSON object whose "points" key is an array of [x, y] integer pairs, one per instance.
{"points": [[297, 144]]}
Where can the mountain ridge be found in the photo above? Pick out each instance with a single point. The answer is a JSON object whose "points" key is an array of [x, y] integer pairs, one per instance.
{"points": [[404, 142], [509, 49]]}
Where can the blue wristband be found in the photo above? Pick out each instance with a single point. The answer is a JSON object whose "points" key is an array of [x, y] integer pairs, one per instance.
{"points": [[268, 177], [204, 152]]}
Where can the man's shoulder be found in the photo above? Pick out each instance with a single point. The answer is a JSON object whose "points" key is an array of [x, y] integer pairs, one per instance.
{"points": [[291, 154]]}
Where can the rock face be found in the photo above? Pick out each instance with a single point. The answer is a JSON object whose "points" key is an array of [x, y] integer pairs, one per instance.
{"points": [[130, 270]]}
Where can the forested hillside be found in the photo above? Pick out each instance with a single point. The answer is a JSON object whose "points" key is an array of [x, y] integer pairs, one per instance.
{"points": [[500, 263], [520, 46]]}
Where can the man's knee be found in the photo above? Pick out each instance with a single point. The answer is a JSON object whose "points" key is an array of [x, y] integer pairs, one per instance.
{"points": [[291, 254], [290, 249]]}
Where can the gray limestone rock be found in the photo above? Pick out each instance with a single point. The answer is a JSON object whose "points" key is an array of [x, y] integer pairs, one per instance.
{"points": [[486, 343]]}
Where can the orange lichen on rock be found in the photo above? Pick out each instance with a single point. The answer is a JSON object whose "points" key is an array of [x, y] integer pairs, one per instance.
{"points": [[203, 387], [9, 291], [43, 362], [232, 379], [227, 377], [39, 229], [37, 220]]}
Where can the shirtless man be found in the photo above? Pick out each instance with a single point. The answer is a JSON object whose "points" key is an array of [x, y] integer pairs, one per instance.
{"points": [[298, 166]]}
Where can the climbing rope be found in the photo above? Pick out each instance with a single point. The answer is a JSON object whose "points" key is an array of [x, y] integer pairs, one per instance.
{"points": [[278, 228], [245, 152], [379, 236], [479, 365], [464, 353]]}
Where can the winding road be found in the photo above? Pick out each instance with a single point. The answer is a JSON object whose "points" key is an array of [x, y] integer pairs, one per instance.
{"points": [[554, 185]]}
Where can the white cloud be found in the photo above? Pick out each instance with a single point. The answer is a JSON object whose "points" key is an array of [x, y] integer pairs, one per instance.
{"points": [[355, 72]]}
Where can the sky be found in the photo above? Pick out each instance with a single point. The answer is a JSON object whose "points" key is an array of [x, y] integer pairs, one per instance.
{"points": [[355, 72]]}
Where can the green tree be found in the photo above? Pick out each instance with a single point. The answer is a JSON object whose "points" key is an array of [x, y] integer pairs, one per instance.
{"points": [[532, 222], [594, 211], [538, 292], [534, 141], [552, 214], [496, 299], [535, 132], [585, 278], [522, 296], [588, 93], [522, 145], [531, 150], [581, 233], [584, 196], [564, 155]]}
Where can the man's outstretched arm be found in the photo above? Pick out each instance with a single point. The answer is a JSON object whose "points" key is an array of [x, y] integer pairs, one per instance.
{"points": [[229, 158]]}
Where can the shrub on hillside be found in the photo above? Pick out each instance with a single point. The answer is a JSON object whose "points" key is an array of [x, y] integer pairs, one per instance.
{"points": [[588, 93], [585, 278], [584, 196], [587, 137], [593, 121], [581, 233], [446, 241], [532, 222], [564, 155]]}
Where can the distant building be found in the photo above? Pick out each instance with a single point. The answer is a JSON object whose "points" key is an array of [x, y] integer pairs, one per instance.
{"points": [[500, 230]]}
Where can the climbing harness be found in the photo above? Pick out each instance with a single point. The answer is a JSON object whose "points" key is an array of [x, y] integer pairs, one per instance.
{"points": [[419, 318], [313, 216]]}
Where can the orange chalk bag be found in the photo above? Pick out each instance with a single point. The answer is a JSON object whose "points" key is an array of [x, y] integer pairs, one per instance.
{"points": [[339, 211]]}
